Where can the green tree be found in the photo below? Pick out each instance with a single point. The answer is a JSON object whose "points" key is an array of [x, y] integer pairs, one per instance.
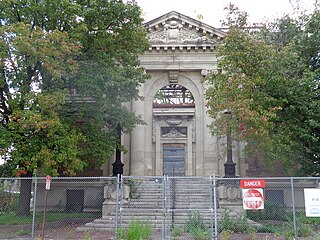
{"points": [[67, 68], [271, 93], [109, 72]]}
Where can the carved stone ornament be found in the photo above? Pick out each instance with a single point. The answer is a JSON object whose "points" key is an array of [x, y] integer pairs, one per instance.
{"points": [[110, 191], [173, 122], [173, 77], [174, 134], [173, 33]]}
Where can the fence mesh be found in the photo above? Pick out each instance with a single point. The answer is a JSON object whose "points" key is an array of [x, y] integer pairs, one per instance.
{"points": [[159, 208], [190, 204]]}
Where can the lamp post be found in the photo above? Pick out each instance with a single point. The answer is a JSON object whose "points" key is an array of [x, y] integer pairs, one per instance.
{"points": [[229, 166], [118, 165]]}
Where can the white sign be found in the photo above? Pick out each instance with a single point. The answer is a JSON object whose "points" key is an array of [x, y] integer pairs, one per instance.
{"points": [[312, 202], [48, 182], [253, 199]]}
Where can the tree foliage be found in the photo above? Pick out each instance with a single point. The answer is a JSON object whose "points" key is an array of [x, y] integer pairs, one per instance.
{"points": [[267, 83], [67, 67]]}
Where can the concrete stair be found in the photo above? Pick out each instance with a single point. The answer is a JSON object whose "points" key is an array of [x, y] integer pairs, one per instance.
{"points": [[159, 203]]}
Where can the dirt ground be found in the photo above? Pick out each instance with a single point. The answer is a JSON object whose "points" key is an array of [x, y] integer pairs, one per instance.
{"points": [[69, 232]]}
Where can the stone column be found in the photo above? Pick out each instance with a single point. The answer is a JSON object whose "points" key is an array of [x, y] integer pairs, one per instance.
{"points": [[137, 140]]}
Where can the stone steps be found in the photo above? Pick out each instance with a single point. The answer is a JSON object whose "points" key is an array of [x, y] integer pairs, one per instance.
{"points": [[184, 196]]}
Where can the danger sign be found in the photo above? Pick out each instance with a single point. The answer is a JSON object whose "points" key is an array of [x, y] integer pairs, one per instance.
{"points": [[253, 199], [252, 183]]}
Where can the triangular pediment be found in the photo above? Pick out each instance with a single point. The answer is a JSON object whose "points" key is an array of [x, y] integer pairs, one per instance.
{"points": [[177, 30]]}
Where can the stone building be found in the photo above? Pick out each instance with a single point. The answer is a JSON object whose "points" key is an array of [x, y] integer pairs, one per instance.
{"points": [[176, 139]]}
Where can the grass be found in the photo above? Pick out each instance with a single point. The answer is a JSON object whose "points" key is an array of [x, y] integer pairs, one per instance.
{"points": [[12, 219]]}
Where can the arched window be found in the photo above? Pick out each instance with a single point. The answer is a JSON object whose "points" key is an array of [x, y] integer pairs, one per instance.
{"points": [[173, 95]]}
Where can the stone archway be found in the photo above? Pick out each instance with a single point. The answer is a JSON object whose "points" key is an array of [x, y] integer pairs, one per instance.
{"points": [[173, 134]]}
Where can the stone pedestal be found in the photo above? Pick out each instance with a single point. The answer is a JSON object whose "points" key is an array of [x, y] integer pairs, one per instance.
{"points": [[230, 197], [110, 196]]}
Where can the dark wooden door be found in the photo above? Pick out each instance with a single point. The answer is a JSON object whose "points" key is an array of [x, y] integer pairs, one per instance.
{"points": [[174, 159]]}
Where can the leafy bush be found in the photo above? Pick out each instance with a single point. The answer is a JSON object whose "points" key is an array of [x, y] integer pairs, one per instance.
{"points": [[8, 201], [301, 217], [235, 224], [271, 211]]}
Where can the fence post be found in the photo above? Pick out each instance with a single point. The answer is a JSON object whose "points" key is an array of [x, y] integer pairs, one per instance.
{"points": [[168, 207], [215, 207], [211, 206], [117, 206], [121, 188], [34, 206], [164, 213], [293, 210]]}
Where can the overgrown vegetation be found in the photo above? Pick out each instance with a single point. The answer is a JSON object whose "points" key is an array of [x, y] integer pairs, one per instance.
{"points": [[9, 201], [234, 224], [138, 230], [271, 211], [133, 185], [195, 225]]}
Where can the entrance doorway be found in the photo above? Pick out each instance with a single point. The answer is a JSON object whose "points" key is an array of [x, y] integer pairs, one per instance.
{"points": [[174, 159]]}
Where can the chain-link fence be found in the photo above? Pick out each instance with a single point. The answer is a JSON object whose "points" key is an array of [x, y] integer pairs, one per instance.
{"points": [[136, 207]]}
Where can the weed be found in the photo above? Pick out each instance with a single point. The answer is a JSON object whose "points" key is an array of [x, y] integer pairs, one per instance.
{"points": [[267, 228], [137, 231], [86, 236], [304, 230], [253, 236], [177, 231], [195, 220], [22, 232], [196, 227], [133, 194], [226, 235], [70, 234], [199, 234]]}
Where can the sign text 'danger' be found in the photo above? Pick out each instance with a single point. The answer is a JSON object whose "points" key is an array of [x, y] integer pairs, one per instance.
{"points": [[252, 183]]}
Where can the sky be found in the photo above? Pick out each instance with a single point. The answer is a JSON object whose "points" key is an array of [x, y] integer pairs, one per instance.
{"points": [[212, 10]]}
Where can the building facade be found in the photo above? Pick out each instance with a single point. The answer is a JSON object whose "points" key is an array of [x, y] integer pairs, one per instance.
{"points": [[176, 139]]}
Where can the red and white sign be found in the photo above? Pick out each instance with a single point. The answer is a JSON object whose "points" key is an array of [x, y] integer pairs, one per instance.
{"points": [[48, 182], [253, 199], [252, 183]]}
